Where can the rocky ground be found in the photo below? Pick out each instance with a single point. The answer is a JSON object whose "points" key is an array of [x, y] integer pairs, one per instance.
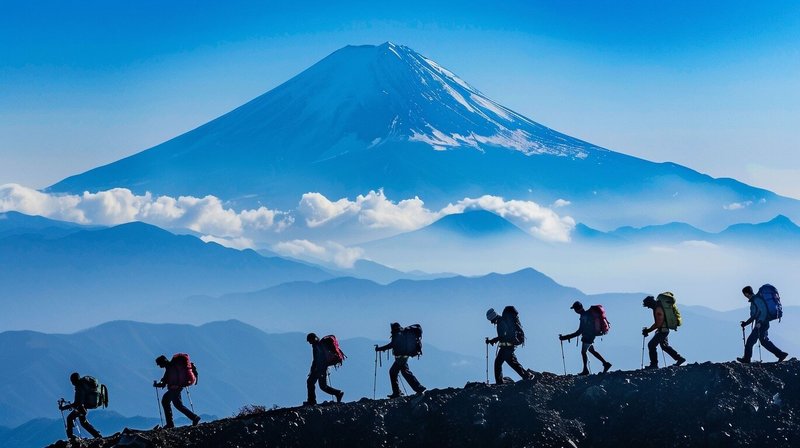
{"points": [[714, 405]]}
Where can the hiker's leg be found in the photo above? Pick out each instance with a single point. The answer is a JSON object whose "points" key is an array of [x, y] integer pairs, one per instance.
{"points": [[765, 342], [668, 349], [651, 348], [323, 384], [584, 358], [514, 364], [165, 403], [498, 365], [394, 372], [88, 426], [751, 342], [410, 378], [311, 385], [177, 401], [596, 355], [71, 422]]}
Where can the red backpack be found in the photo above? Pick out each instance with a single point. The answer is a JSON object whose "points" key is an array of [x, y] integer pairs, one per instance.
{"points": [[601, 324], [333, 354], [182, 371]]}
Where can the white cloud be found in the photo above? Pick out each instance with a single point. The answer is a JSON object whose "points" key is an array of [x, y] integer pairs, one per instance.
{"points": [[205, 215], [332, 252], [561, 203], [737, 205], [702, 244], [374, 210], [234, 243]]}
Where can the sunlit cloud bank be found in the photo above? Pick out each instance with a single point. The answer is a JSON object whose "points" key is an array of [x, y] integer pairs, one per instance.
{"points": [[291, 232]]}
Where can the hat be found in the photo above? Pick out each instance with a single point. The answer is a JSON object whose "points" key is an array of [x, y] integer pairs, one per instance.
{"points": [[576, 305], [491, 314], [310, 337], [649, 301], [162, 360]]}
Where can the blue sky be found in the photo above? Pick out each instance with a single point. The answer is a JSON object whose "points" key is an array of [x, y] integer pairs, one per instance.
{"points": [[712, 85]]}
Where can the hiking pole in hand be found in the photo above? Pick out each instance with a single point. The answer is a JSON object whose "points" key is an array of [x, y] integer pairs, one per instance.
{"points": [[663, 358], [158, 403], [759, 339], [61, 403], [563, 361], [744, 343], [375, 376], [643, 340], [487, 360]]}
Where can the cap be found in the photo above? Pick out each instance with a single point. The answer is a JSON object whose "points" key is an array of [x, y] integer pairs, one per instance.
{"points": [[576, 305], [491, 314]]}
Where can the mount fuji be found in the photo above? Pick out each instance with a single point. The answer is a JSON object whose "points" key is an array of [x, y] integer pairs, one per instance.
{"points": [[385, 117]]}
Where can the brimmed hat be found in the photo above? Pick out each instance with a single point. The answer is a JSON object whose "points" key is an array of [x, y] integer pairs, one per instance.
{"points": [[576, 305]]}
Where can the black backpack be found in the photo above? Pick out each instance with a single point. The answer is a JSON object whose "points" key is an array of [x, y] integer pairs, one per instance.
{"points": [[92, 394], [509, 328], [408, 341]]}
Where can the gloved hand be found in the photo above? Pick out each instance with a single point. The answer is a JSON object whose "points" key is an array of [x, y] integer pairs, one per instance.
{"points": [[376, 348], [744, 324], [491, 341], [157, 384], [63, 407], [644, 332], [563, 338]]}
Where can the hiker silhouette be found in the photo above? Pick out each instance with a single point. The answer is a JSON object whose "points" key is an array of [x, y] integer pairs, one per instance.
{"points": [[509, 335], [178, 373], [760, 314], [588, 332], [86, 397], [405, 343], [319, 373], [661, 328]]}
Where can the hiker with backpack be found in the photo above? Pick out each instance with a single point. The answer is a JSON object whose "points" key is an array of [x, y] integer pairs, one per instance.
{"points": [[509, 335], [666, 317], [324, 354], [593, 323], [405, 343], [765, 306], [89, 394], [179, 372]]}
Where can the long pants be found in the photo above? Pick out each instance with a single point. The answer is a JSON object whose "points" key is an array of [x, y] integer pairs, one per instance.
{"points": [[506, 355], [661, 338], [401, 366], [80, 414], [173, 396], [760, 333], [321, 376]]}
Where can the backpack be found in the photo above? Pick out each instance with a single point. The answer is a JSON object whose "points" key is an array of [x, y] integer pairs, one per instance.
{"points": [[509, 328], [182, 371], [92, 394], [601, 324], [407, 341], [331, 351], [770, 303], [672, 317]]}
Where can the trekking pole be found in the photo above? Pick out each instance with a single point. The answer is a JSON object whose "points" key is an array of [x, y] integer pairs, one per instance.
{"points": [[759, 340], [563, 361], [158, 405], [189, 395], [663, 358], [375, 376], [744, 343], [487, 360], [60, 404], [643, 339]]}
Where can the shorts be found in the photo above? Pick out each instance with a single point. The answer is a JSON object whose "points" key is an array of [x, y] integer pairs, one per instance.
{"points": [[587, 342]]}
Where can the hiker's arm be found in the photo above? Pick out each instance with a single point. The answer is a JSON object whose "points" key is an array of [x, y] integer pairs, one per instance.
{"points": [[384, 347], [572, 335], [493, 340]]}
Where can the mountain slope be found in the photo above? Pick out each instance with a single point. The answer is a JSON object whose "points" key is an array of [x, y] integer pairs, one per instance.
{"points": [[15, 223], [700, 405], [124, 271], [370, 117]]}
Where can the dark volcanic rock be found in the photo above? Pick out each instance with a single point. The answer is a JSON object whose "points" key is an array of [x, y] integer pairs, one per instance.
{"points": [[714, 405]]}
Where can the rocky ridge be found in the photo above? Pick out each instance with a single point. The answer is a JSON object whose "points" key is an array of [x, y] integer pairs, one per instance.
{"points": [[714, 405]]}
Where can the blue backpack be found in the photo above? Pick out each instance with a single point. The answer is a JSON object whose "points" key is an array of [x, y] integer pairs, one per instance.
{"points": [[770, 303]]}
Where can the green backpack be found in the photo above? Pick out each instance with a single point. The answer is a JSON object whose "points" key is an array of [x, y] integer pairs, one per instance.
{"points": [[672, 316], [92, 394]]}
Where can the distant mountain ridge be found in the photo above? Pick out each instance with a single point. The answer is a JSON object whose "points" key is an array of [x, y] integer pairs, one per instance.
{"points": [[370, 117]]}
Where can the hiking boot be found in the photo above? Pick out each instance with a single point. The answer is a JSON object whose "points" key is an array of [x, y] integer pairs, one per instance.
{"points": [[310, 403], [396, 395], [169, 425], [606, 367], [584, 372], [339, 396], [680, 361], [651, 366], [195, 420], [743, 360]]}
